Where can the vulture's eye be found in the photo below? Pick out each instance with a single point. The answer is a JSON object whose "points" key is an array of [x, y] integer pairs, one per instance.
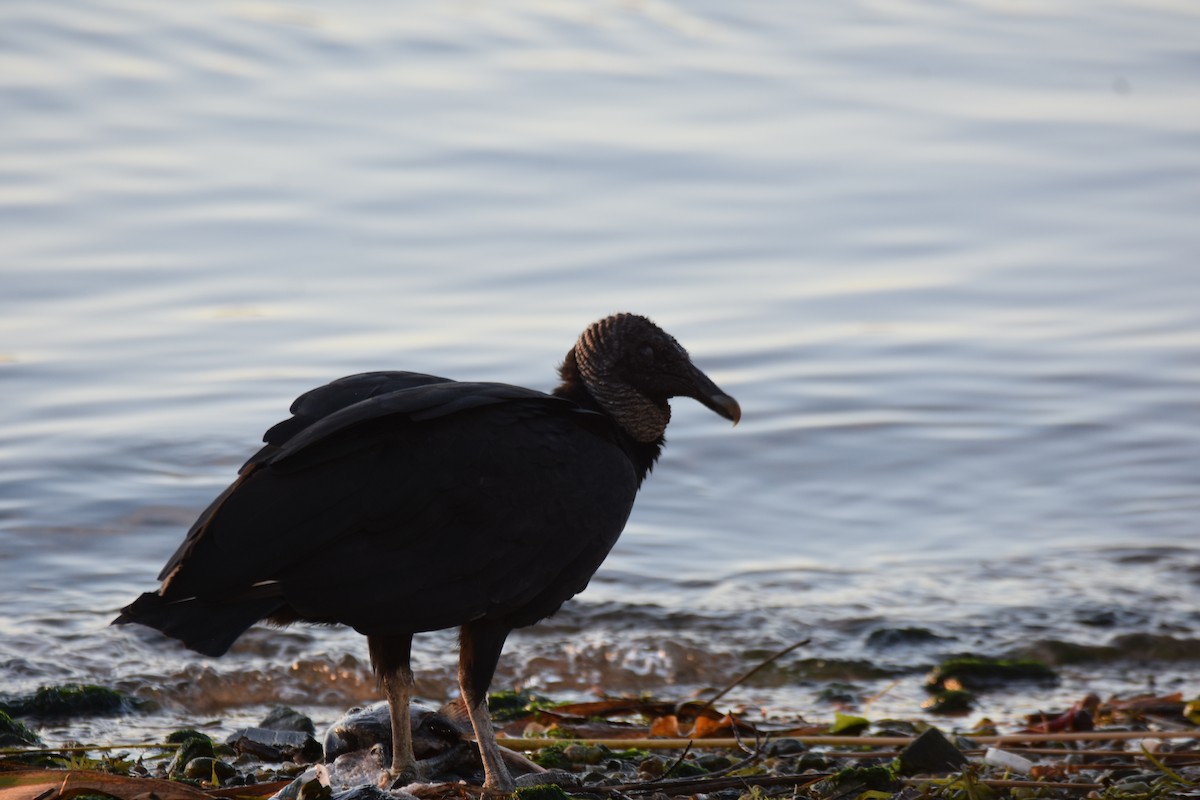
{"points": [[646, 354]]}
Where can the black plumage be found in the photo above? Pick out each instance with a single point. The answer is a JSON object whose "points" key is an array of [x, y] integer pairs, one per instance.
{"points": [[395, 503]]}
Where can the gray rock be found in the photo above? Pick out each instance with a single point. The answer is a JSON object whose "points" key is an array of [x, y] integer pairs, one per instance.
{"points": [[282, 718], [552, 777], [275, 745], [930, 752], [785, 747]]}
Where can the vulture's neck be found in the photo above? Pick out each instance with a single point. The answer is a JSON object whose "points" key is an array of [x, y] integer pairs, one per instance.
{"points": [[641, 424]]}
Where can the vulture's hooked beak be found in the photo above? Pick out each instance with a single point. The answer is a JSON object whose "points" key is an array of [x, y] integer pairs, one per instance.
{"points": [[726, 406], [702, 389]]}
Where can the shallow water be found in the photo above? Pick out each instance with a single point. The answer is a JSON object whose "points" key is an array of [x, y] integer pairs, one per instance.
{"points": [[945, 258]]}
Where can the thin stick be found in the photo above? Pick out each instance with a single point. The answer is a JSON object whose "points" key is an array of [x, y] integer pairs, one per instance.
{"points": [[867, 703], [746, 676], [1058, 751], [853, 741], [621, 744], [709, 785], [712, 784], [999, 783], [1083, 736], [1064, 767], [758, 739], [83, 748], [678, 761]]}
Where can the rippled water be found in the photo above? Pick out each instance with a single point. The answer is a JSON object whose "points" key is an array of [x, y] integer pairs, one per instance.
{"points": [[945, 257]]}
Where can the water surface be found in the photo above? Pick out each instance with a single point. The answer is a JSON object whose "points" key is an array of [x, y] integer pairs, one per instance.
{"points": [[945, 257]]}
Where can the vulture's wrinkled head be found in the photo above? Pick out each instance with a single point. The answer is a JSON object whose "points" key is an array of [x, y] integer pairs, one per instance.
{"points": [[632, 368]]}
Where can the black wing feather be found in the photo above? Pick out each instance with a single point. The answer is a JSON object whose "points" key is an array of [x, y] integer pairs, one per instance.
{"points": [[450, 501], [324, 400]]}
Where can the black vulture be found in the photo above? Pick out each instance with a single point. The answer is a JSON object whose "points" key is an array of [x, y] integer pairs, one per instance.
{"points": [[396, 503]]}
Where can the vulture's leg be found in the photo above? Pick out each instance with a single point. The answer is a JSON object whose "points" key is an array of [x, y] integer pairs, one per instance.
{"points": [[390, 657], [480, 643]]}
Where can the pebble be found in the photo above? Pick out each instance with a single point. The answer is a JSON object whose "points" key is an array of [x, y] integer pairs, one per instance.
{"points": [[711, 762], [204, 768], [785, 747]]}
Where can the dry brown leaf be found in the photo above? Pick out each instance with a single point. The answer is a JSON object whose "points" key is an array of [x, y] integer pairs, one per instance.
{"points": [[251, 790], [613, 707], [51, 784], [708, 727], [1145, 701], [667, 726]]}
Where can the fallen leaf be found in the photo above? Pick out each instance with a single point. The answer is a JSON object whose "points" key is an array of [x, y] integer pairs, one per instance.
{"points": [[47, 784], [667, 727]]}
